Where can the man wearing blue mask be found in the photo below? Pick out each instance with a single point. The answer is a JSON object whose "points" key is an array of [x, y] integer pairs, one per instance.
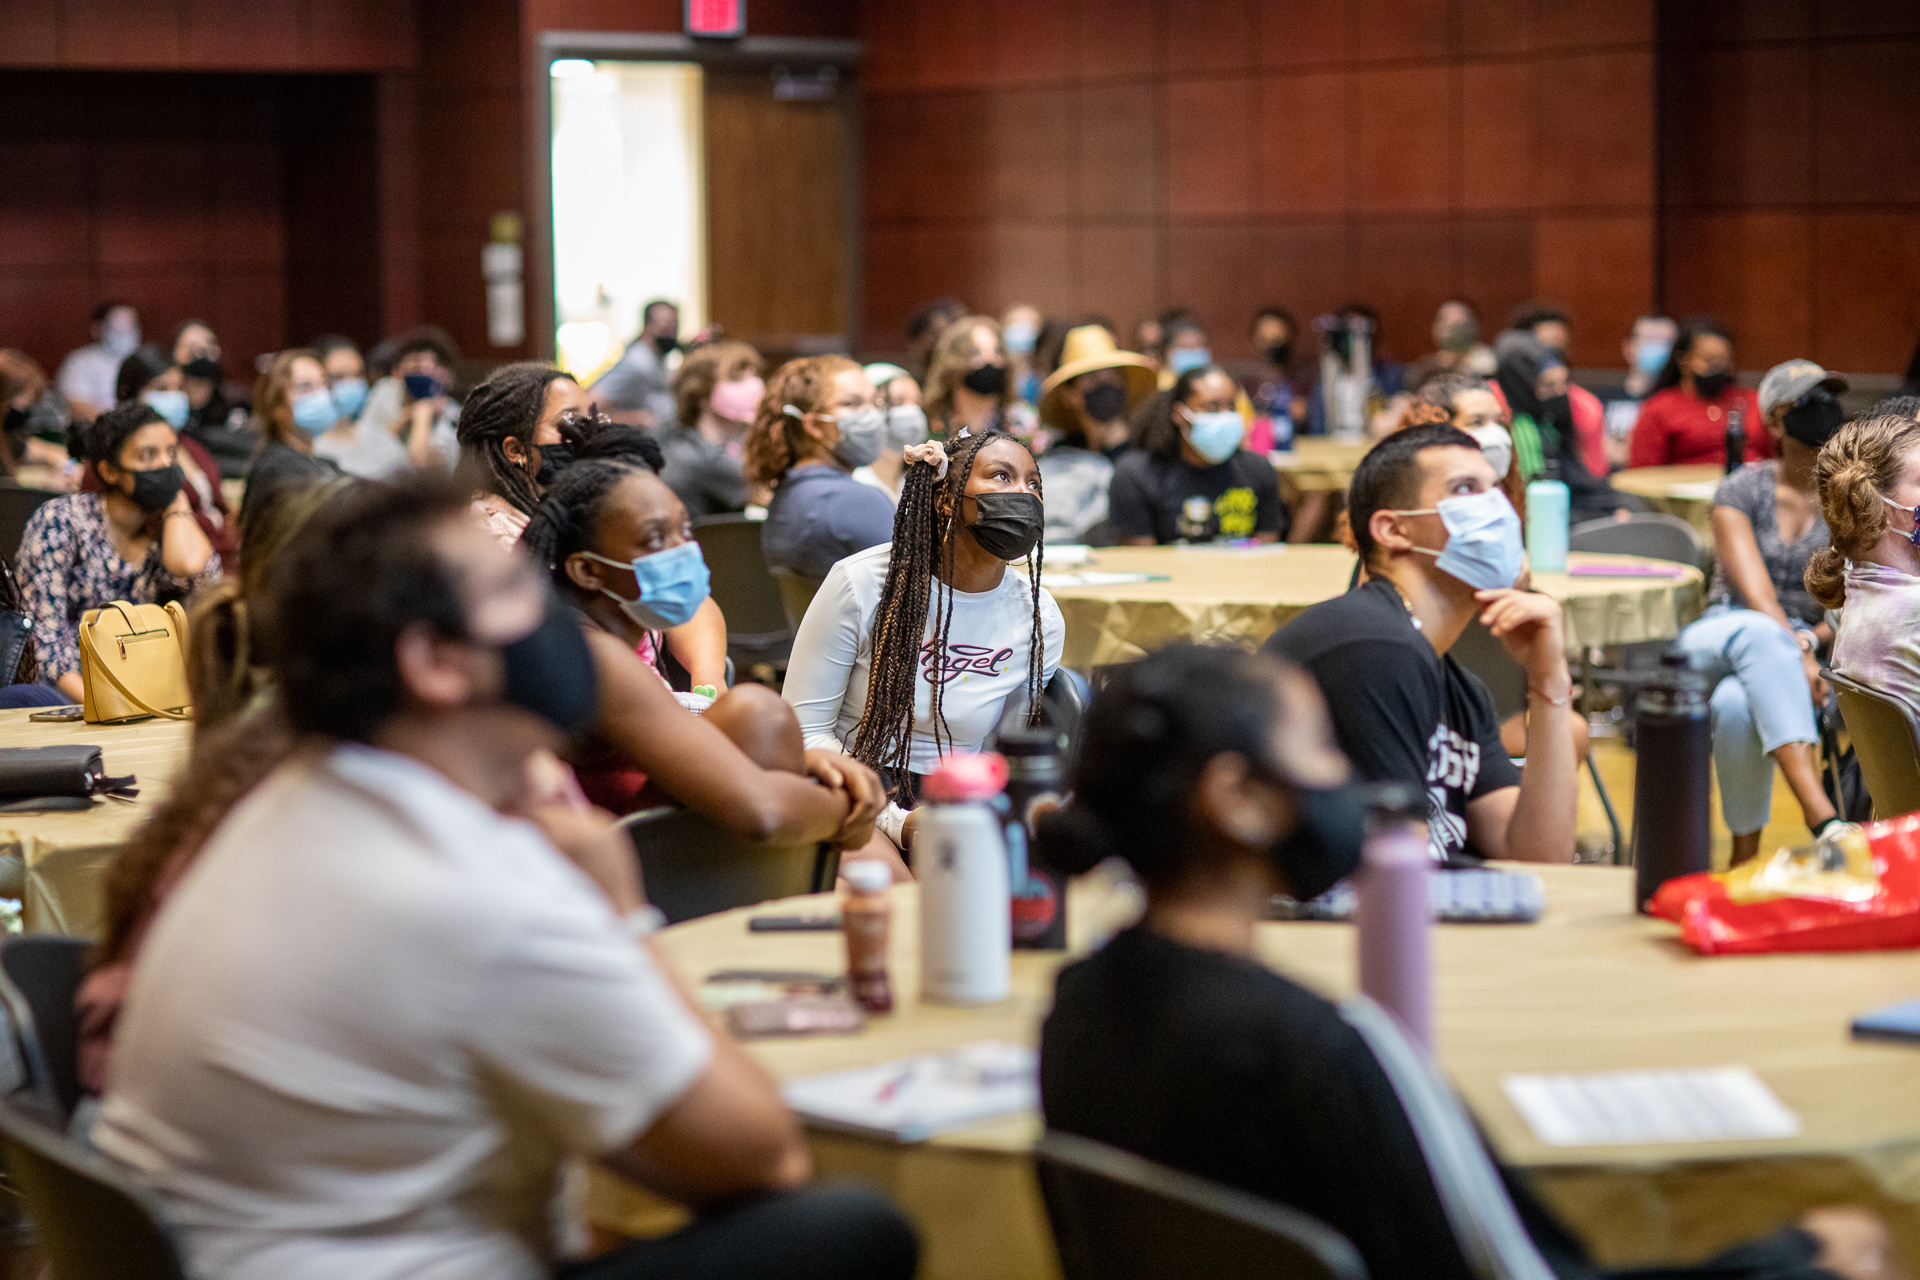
{"points": [[1441, 546], [1647, 349]]}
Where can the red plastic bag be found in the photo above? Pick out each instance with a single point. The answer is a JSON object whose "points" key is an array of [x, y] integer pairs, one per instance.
{"points": [[1740, 913]]}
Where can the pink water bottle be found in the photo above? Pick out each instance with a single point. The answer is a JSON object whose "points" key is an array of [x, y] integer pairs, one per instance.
{"points": [[1392, 910]]}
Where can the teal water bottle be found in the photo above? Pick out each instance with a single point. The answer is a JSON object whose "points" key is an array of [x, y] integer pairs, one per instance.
{"points": [[1548, 510]]}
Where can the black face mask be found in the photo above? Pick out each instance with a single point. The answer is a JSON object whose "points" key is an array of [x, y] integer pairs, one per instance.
{"points": [[1814, 420], [205, 368], [15, 423], [1557, 410], [1324, 847], [1279, 354], [550, 673], [156, 489], [665, 344], [1007, 525], [554, 458], [987, 380], [1711, 386], [1105, 402]]}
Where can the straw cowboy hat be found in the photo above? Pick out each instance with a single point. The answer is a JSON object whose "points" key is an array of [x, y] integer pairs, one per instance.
{"points": [[1088, 348]]}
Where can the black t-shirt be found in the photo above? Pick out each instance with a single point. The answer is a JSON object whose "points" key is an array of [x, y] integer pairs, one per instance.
{"points": [[1401, 711], [1219, 1066], [1216, 1065], [1174, 501]]}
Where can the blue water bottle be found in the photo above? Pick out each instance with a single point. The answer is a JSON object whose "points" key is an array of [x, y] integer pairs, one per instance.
{"points": [[1549, 508]]}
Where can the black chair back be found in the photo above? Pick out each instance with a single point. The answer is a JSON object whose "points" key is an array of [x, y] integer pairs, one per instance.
{"points": [[40, 974], [692, 866], [796, 593], [1116, 1216], [1652, 534], [93, 1221], [757, 625], [16, 504], [1886, 741], [1065, 701]]}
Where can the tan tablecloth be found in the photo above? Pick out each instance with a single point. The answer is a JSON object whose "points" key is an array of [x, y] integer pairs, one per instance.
{"points": [[1317, 464], [1592, 987], [1244, 595], [54, 862], [1686, 492]]}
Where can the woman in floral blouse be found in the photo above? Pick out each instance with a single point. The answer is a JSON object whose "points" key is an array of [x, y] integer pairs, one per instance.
{"points": [[134, 540]]}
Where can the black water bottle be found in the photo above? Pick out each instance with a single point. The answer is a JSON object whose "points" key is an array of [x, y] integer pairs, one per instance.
{"points": [[1736, 440], [1036, 782], [1673, 736]]}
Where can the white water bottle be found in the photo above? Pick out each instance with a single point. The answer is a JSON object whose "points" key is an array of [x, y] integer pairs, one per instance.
{"points": [[960, 860]]}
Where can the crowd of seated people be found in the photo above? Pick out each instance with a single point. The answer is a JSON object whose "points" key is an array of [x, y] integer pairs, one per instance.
{"points": [[465, 620]]}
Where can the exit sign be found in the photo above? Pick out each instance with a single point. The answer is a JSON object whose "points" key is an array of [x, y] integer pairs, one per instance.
{"points": [[717, 18]]}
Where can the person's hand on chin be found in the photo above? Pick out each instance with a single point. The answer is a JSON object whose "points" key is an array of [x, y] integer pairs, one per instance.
{"points": [[1527, 625]]}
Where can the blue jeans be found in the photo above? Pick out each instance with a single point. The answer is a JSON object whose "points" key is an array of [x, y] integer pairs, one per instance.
{"points": [[1760, 704]]}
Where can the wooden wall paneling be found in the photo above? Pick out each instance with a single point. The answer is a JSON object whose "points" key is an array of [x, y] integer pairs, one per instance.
{"points": [[45, 312], [1211, 36], [1404, 268], [1032, 143], [1118, 38], [1866, 289], [1295, 33], [1118, 152], [954, 45], [1594, 122], [1037, 263], [777, 215], [113, 33], [1489, 27], [1213, 269], [1304, 267], [1034, 41], [44, 204], [1494, 266], [906, 267], [376, 35], [1400, 29], [399, 185], [1592, 23], [1304, 160], [1120, 272], [1600, 267], [1496, 136], [1865, 18], [1738, 123], [331, 179], [1212, 137], [32, 33], [1754, 270], [1406, 154], [1719, 21], [234, 34], [1867, 99]]}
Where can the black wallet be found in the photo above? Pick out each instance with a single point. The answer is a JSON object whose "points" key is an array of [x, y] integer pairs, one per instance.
{"points": [[30, 776]]}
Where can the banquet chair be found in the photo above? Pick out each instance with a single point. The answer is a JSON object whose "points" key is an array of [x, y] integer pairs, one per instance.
{"points": [[692, 866], [1479, 652], [16, 505], [758, 629], [1886, 740], [93, 1221], [1116, 1216], [39, 976], [796, 593], [1654, 535]]}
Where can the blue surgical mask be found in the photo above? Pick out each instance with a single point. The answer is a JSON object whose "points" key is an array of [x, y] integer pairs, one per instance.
{"points": [[315, 411], [1913, 537], [1483, 539], [1181, 359], [171, 405], [1215, 436], [349, 396], [1019, 336], [672, 584], [1651, 357]]}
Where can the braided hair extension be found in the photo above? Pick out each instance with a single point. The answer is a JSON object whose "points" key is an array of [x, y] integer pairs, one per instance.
{"points": [[923, 549], [506, 405], [565, 520]]}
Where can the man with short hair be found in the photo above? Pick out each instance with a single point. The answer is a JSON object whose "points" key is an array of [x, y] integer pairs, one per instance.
{"points": [[88, 374], [1648, 347], [638, 389], [371, 1024], [1441, 547]]}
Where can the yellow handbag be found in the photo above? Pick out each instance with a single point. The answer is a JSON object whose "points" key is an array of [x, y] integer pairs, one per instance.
{"points": [[133, 662]]}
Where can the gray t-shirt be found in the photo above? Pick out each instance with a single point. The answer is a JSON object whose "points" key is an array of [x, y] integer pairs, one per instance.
{"points": [[705, 475], [1750, 491]]}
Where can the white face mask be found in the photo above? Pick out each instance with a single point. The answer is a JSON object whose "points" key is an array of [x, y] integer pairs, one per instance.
{"points": [[1483, 539], [1497, 444]]}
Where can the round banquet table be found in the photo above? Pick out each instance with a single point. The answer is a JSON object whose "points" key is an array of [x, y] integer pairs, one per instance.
{"points": [[55, 862], [1245, 594], [1591, 987], [1318, 464], [1686, 492]]}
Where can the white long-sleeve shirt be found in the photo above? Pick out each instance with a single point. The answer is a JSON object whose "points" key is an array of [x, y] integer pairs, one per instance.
{"points": [[986, 663]]}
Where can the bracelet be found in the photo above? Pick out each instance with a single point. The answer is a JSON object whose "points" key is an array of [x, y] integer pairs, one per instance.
{"points": [[643, 922], [1560, 701], [174, 515]]}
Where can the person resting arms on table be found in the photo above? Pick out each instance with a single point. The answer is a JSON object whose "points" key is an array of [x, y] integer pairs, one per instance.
{"points": [[134, 540], [1441, 545], [919, 647], [618, 547], [1213, 773]]}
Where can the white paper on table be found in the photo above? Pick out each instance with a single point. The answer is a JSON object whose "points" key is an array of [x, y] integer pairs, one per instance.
{"points": [[1095, 578], [1695, 490], [911, 1099], [1712, 1104]]}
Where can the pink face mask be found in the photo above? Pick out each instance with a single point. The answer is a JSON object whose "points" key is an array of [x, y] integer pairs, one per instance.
{"points": [[739, 400]]}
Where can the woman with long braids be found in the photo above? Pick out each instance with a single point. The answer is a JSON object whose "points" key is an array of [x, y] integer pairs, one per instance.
{"points": [[920, 646], [511, 442], [618, 545]]}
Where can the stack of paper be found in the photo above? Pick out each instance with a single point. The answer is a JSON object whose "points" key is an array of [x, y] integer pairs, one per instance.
{"points": [[1715, 1104], [911, 1099]]}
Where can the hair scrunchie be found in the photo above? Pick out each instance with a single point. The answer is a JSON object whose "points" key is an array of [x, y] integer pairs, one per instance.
{"points": [[931, 452]]}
